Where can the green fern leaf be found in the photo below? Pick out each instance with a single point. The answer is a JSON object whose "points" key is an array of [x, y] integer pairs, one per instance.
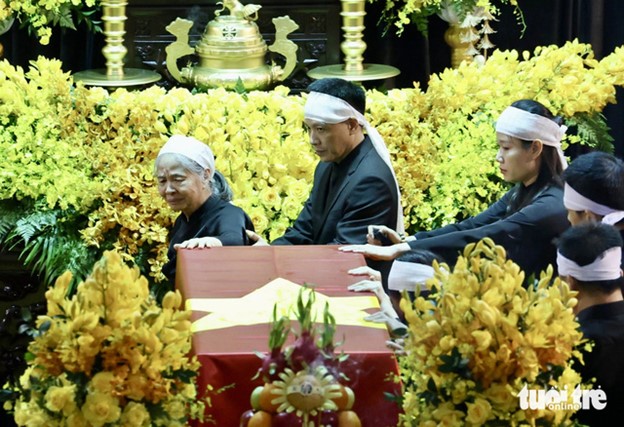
{"points": [[593, 130]]}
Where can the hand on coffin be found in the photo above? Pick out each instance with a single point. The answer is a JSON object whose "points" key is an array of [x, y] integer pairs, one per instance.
{"points": [[382, 253], [199, 243], [398, 345], [368, 285], [395, 327], [384, 300], [366, 271], [256, 239]]}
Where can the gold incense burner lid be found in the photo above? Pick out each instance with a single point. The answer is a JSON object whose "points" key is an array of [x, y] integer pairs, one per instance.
{"points": [[232, 50]]}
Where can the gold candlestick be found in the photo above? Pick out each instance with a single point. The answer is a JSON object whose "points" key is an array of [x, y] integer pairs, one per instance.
{"points": [[115, 75], [353, 47]]}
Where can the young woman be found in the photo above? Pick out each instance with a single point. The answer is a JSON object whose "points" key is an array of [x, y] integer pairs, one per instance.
{"points": [[526, 219]]}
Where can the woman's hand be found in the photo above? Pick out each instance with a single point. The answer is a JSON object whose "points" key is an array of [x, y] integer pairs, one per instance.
{"points": [[379, 253], [366, 271], [380, 235], [367, 285], [199, 243], [256, 239]]}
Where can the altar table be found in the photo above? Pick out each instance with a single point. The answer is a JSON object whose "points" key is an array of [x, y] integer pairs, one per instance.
{"points": [[227, 351]]}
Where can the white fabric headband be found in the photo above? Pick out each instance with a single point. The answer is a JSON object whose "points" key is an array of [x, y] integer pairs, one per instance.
{"points": [[605, 267], [408, 276], [329, 109], [575, 201], [190, 148], [529, 127]]}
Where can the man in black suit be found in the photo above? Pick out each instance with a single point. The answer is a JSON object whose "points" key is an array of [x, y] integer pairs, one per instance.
{"points": [[588, 258], [354, 183]]}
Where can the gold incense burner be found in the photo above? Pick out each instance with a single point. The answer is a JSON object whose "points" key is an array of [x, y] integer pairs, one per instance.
{"points": [[232, 50]]}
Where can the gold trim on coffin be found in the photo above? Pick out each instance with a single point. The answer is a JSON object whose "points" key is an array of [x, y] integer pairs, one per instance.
{"points": [[257, 307]]}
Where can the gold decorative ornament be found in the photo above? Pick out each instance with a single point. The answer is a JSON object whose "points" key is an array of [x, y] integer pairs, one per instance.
{"points": [[115, 75], [353, 47], [460, 49], [232, 50]]}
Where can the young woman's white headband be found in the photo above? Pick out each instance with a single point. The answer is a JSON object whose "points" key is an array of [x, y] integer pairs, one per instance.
{"points": [[529, 127], [605, 267], [575, 201], [324, 108]]}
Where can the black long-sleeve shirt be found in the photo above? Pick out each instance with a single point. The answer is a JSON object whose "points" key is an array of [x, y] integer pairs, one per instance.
{"points": [[527, 235], [214, 218]]}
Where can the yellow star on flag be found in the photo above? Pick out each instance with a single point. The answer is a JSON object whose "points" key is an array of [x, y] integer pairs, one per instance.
{"points": [[257, 307]]}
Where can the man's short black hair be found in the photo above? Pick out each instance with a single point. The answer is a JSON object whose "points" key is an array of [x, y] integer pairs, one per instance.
{"points": [[599, 176], [584, 243], [343, 89], [420, 256]]}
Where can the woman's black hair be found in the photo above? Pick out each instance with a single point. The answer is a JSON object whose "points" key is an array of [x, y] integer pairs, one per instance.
{"points": [[550, 165], [221, 188]]}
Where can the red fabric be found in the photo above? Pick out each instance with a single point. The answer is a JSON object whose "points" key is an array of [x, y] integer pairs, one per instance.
{"points": [[228, 355]]}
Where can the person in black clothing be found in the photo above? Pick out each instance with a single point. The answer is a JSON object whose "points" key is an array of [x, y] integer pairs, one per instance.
{"points": [[354, 183], [589, 257], [187, 180], [526, 219], [594, 189]]}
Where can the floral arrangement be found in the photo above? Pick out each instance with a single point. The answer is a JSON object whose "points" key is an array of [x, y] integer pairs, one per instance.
{"points": [[481, 338], [399, 13], [39, 16], [303, 384], [109, 356], [76, 174]]}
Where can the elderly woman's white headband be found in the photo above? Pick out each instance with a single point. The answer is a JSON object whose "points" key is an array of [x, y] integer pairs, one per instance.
{"points": [[408, 276], [605, 267], [192, 149], [575, 201], [324, 108], [529, 127]]}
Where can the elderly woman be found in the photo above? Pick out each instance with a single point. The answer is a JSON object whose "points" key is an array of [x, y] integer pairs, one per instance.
{"points": [[526, 219], [185, 171]]}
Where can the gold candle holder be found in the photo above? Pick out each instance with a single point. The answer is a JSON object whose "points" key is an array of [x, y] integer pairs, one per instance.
{"points": [[353, 47], [115, 75]]}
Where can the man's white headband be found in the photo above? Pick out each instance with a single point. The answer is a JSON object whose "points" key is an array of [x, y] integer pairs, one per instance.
{"points": [[529, 127], [324, 108], [409, 276], [190, 148], [605, 267], [575, 201]]}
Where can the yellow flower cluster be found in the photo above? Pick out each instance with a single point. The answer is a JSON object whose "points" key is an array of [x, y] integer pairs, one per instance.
{"points": [[42, 15], [89, 151], [110, 356], [399, 13], [481, 337]]}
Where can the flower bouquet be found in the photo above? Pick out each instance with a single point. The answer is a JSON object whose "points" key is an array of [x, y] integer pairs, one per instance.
{"points": [[109, 356], [303, 385], [399, 13], [39, 16], [483, 337]]}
